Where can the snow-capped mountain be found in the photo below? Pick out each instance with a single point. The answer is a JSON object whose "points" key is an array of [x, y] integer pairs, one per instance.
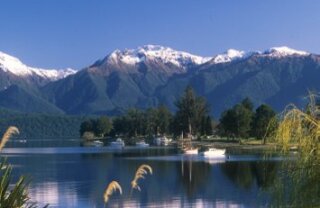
{"points": [[155, 52], [15, 66], [284, 51], [183, 59], [274, 52], [228, 56], [151, 75]]}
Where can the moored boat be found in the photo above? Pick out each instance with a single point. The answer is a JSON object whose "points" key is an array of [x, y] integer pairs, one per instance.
{"points": [[142, 144], [214, 153], [191, 151], [119, 143], [161, 141]]}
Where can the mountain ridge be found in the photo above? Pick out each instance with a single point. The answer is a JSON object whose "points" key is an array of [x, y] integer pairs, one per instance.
{"points": [[151, 75]]}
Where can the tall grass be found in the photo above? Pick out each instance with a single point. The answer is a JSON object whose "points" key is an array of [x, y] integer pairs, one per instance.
{"points": [[5, 138], [140, 174], [111, 188], [114, 185]]}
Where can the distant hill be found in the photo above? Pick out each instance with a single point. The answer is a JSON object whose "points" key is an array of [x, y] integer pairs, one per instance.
{"points": [[152, 75]]}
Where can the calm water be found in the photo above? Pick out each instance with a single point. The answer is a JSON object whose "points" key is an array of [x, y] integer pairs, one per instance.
{"points": [[77, 177]]}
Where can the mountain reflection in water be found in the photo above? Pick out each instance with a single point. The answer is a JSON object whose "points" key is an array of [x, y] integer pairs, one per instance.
{"points": [[77, 177]]}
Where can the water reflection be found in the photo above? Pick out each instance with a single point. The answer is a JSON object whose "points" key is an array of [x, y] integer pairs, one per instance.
{"points": [[194, 175], [78, 178], [248, 174]]}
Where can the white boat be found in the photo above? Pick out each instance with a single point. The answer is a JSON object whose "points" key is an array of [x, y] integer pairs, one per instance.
{"points": [[161, 141], [119, 143], [191, 151], [142, 144], [214, 153]]}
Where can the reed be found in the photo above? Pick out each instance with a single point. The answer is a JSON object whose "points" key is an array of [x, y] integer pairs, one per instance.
{"points": [[10, 131], [111, 188], [140, 174]]}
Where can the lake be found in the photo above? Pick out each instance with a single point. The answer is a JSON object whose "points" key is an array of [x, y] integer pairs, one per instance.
{"points": [[78, 176]]}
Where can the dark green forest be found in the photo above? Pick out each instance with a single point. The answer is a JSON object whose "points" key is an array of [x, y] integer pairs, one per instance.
{"points": [[41, 126]]}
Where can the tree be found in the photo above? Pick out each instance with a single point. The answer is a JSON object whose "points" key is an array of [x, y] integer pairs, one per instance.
{"points": [[102, 126], [208, 126], [120, 126], [86, 126], [243, 121], [236, 122], [298, 182], [227, 126], [164, 119], [247, 103], [190, 113], [152, 121], [136, 121], [264, 114]]}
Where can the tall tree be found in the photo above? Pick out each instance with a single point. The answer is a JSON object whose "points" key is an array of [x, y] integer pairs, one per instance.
{"points": [[208, 126], [247, 103], [136, 121], [86, 126], [243, 121], [191, 111], [102, 126], [236, 122], [264, 114], [120, 126], [164, 118], [158, 120], [227, 126], [153, 121]]}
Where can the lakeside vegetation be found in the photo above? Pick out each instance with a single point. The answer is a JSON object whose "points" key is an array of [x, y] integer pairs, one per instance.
{"points": [[240, 122], [298, 184]]}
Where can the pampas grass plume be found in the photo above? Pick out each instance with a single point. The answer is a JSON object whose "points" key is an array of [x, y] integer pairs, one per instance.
{"points": [[111, 188], [10, 131], [141, 172]]}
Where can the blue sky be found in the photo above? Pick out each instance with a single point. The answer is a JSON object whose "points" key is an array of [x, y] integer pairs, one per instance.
{"points": [[75, 33]]}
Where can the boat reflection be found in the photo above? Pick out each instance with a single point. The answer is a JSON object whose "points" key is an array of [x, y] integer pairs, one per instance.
{"points": [[77, 177]]}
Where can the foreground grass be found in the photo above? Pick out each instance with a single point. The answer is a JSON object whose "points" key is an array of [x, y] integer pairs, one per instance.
{"points": [[12, 195]]}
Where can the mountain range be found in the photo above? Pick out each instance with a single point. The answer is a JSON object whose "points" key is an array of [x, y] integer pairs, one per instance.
{"points": [[151, 75]]}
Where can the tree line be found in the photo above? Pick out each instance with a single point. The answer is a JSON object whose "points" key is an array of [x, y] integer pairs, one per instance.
{"points": [[241, 121], [192, 117]]}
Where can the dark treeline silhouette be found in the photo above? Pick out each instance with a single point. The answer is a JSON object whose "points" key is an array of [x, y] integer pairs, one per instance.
{"points": [[192, 116]]}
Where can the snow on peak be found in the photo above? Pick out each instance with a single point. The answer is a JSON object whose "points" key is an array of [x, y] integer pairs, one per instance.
{"points": [[229, 56], [284, 51], [232, 54], [15, 66], [156, 52]]}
